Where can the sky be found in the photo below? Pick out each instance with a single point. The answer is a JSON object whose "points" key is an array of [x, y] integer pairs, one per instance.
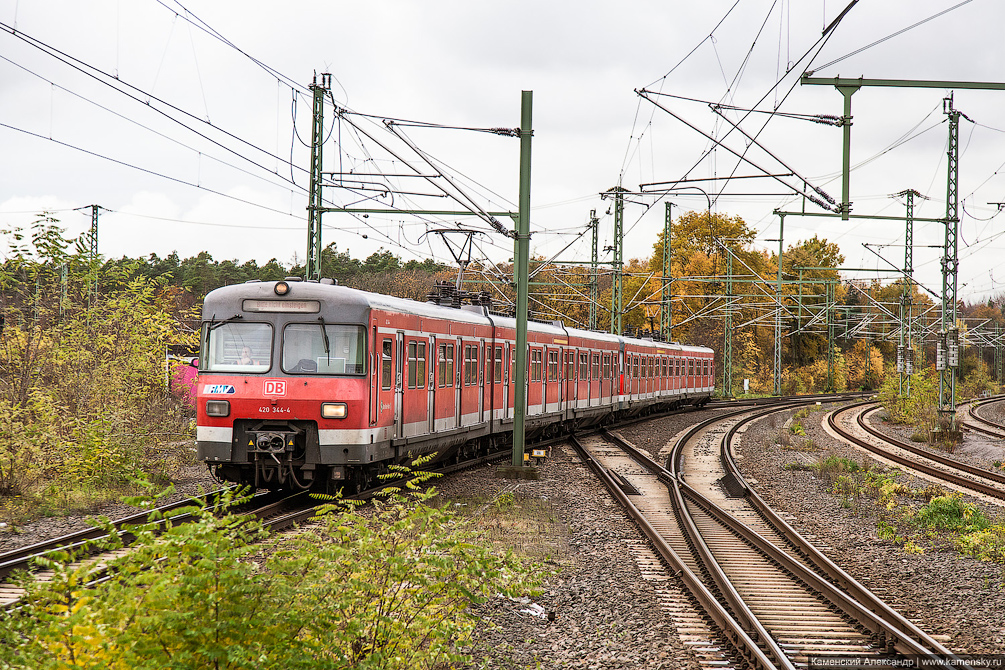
{"points": [[189, 124]]}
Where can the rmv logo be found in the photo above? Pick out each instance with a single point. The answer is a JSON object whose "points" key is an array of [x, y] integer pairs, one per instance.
{"points": [[275, 387]]}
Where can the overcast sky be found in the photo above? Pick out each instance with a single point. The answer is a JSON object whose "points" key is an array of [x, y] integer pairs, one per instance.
{"points": [[195, 155]]}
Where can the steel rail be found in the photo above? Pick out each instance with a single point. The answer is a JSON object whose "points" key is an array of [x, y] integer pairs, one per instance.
{"points": [[921, 466], [733, 632], [994, 429], [897, 631], [745, 623], [22, 557], [891, 624]]}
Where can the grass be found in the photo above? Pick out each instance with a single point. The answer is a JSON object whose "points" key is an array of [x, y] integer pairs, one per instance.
{"points": [[943, 520], [528, 525]]}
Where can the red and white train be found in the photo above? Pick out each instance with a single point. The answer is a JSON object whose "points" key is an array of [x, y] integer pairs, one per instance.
{"points": [[313, 384]]}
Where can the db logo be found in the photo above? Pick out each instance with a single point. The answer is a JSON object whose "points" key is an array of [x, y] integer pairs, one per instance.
{"points": [[275, 387]]}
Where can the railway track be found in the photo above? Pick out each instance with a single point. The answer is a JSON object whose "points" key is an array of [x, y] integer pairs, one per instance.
{"points": [[929, 463], [776, 601], [276, 514], [974, 421]]}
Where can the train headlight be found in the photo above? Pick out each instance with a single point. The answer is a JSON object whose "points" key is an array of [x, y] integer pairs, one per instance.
{"points": [[282, 288], [334, 410], [217, 408]]}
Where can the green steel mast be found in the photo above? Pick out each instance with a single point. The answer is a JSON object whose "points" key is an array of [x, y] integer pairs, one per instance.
{"points": [[314, 206]]}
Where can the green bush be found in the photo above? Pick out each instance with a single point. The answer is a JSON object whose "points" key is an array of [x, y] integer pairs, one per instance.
{"points": [[952, 513], [387, 588], [83, 402], [920, 408], [986, 545]]}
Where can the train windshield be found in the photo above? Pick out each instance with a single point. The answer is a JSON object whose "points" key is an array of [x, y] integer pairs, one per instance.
{"points": [[236, 347], [324, 349]]}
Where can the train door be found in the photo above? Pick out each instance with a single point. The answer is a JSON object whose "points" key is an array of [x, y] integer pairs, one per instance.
{"points": [[568, 363], [459, 382], [620, 371], [431, 362], [507, 354], [482, 362], [556, 363], [374, 372], [458, 405], [399, 357], [497, 389], [594, 379]]}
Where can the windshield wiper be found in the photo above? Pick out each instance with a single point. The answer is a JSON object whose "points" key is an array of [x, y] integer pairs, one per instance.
{"points": [[213, 324], [324, 336]]}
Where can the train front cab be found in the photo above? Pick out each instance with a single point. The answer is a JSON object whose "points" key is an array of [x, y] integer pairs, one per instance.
{"points": [[283, 385]]}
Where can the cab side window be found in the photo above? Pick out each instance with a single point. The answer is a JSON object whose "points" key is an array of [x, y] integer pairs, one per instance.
{"points": [[385, 365]]}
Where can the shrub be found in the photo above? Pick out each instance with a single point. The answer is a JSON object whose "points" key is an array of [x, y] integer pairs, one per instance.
{"points": [[388, 588], [951, 513], [82, 397], [920, 408], [986, 545]]}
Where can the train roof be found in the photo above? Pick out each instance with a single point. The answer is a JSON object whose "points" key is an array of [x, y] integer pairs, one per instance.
{"points": [[341, 304]]}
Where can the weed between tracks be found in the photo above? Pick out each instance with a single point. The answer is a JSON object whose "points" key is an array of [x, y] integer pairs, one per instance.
{"points": [[527, 525], [918, 519]]}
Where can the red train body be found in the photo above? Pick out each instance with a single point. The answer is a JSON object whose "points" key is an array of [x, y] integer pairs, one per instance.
{"points": [[312, 384]]}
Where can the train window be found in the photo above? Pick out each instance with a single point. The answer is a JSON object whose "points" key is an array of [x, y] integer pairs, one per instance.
{"points": [[385, 365], [596, 366], [411, 365], [236, 347], [607, 366], [570, 366], [690, 367], [446, 371], [553, 366], [498, 369], [635, 366], [535, 365], [584, 366], [470, 365], [663, 366], [420, 356], [319, 348]]}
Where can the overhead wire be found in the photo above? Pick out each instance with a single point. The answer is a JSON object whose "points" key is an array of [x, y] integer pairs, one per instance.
{"points": [[107, 79], [154, 173], [810, 53], [891, 36], [134, 93], [662, 81], [138, 124]]}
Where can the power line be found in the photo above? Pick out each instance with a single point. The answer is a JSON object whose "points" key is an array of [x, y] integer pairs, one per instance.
{"points": [[141, 125], [134, 94], [177, 180], [891, 36]]}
